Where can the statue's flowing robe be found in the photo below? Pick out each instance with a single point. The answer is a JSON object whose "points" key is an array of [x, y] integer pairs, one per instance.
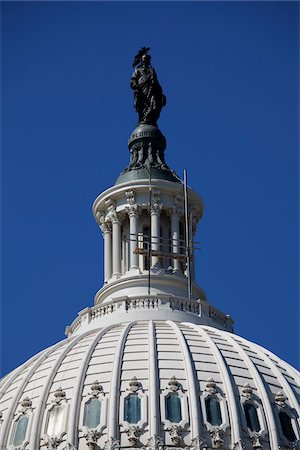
{"points": [[149, 98]]}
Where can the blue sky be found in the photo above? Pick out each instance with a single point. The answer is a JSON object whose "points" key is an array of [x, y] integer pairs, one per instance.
{"points": [[230, 72]]}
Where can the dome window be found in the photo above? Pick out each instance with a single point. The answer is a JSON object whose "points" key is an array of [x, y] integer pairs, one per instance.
{"points": [[173, 408], [20, 430], [92, 413], [213, 411], [132, 408], [251, 417], [55, 421], [287, 426]]}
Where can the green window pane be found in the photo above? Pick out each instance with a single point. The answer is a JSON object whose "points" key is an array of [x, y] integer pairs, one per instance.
{"points": [[213, 411], [173, 408], [132, 409], [251, 417], [20, 430], [55, 422], [92, 413], [287, 427]]}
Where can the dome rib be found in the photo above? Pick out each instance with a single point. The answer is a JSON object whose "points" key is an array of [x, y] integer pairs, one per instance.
{"points": [[72, 431], [38, 416], [113, 415], [263, 393], [192, 382], [231, 402], [284, 383], [20, 390], [153, 382]]}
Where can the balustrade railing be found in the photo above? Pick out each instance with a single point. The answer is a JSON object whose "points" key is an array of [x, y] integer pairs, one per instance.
{"points": [[126, 304]]}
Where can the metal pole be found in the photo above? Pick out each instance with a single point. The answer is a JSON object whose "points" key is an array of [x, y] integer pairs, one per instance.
{"points": [[187, 235], [150, 237]]}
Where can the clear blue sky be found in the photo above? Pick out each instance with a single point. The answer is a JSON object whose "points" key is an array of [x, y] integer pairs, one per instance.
{"points": [[230, 72]]}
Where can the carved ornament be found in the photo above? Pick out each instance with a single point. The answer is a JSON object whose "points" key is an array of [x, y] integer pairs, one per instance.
{"points": [[96, 389], [134, 385], [155, 443], [175, 434], [211, 386], [92, 437], [198, 443], [280, 399], [134, 432], [247, 391], [59, 396], [173, 384], [216, 434]]}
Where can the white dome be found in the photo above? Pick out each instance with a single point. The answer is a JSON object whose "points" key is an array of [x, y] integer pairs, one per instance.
{"points": [[151, 360]]}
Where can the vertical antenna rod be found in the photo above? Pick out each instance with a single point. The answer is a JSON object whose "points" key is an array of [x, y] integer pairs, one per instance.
{"points": [[187, 235], [150, 235]]}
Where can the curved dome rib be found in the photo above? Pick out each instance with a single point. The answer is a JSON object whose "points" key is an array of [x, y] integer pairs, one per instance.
{"points": [[77, 393], [193, 385], [264, 396], [285, 384], [37, 421], [20, 390], [232, 406], [113, 414], [153, 382]]}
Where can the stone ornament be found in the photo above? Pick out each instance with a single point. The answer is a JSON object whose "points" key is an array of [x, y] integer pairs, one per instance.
{"points": [[96, 389], [216, 434], [255, 439], [175, 434], [111, 444], [211, 386], [135, 385], [280, 399], [174, 385], [91, 436], [26, 405], [59, 396], [134, 432], [247, 391], [155, 443], [52, 443], [198, 443]]}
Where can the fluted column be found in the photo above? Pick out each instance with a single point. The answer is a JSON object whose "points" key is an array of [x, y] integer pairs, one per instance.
{"points": [[116, 244], [175, 238], [106, 233], [155, 231]]}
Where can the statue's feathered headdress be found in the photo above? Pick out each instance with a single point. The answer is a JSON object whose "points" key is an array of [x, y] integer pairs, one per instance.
{"points": [[140, 53]]}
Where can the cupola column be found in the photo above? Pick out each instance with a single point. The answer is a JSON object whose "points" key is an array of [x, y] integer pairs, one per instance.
{"points": [[155, 231], [106, 233], [132, 211], [116, 244], [175, 237]]}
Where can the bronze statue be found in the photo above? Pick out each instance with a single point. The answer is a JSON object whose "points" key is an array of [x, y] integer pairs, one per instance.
{"points": [[148, 95]]}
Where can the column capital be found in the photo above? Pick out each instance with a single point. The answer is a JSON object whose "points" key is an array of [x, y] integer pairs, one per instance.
{"points": [[133, 210], [156, 208], [175, 212], [105, 227]]}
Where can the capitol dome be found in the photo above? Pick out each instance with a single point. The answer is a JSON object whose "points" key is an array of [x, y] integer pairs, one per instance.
{"points": [[152, 384], [152, 365]]}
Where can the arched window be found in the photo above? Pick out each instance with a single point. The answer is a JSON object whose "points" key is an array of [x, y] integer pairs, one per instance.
{"points": [[55, 422], [173, 408], [251, 417], [92, 413], [20, 430], [132, 409], [213, 411], [287, 427]]}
